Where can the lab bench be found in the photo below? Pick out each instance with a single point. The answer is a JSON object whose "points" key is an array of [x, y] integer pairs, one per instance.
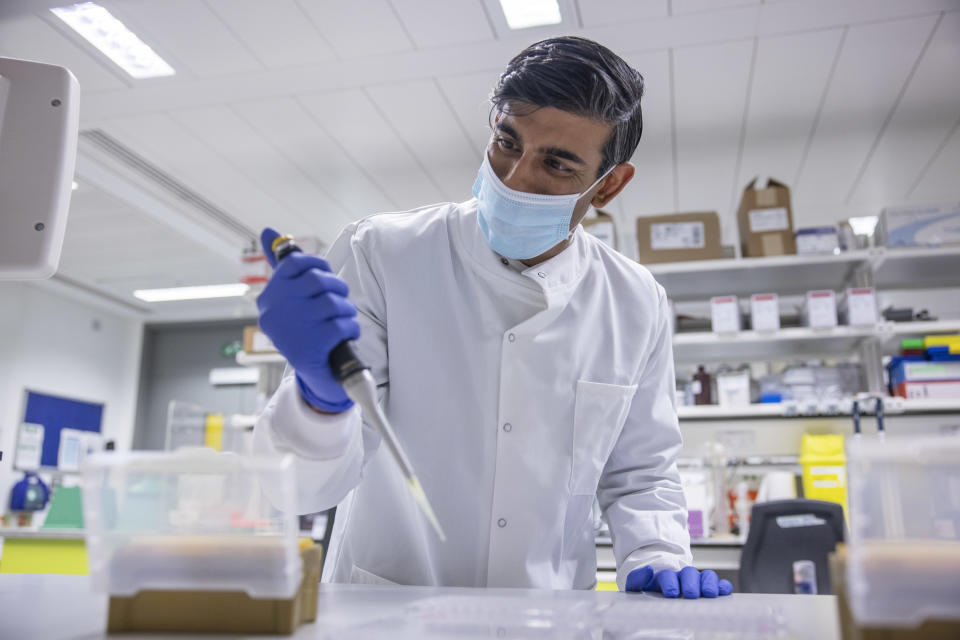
{"points": [[375, 611]]}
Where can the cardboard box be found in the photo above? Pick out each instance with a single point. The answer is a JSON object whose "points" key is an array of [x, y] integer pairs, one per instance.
{"points": [[924, 226], [813, 240], [819, 309], [725, 314], [220, 611], [934, 390], [764, 312], [602, 227], [765, 219], [679, 237], [858, 306], [256, 341]]}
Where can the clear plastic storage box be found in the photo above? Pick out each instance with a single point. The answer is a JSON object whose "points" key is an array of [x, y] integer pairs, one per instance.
{"points": [[904, 548], [193, 519]]}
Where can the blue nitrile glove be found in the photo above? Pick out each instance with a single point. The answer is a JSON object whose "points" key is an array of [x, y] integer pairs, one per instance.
{"points": [[688, 581], [305, 312]]}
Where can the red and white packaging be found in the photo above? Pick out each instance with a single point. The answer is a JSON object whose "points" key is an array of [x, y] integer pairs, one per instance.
{"points": [[858, 306], [819, 309], [764, 312], [725, 314]]}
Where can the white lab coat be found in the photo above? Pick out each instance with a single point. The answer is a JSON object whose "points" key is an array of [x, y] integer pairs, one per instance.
{"points": [[519, 397]]}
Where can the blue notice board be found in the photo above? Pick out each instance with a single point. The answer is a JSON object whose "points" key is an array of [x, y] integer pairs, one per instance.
{"points": [[56, 413]]}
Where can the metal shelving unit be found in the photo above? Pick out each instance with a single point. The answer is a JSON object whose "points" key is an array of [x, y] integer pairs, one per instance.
{"points": [[891, 406]]}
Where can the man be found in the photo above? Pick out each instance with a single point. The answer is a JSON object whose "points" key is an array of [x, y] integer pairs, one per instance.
{"points": [[525, 366]]}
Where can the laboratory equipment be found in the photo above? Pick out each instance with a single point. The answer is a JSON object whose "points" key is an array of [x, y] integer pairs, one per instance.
{"points": [[39, 118], [29, 494], [904, 550], [805, 577], [360, 386], [193, 519], [824, 468]]}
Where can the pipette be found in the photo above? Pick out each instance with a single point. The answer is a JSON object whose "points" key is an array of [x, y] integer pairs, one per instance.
{"points": [[357, 381]]}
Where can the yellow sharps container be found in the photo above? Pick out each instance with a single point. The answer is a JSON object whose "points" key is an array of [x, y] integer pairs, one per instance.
{"points": [[824, 468]]}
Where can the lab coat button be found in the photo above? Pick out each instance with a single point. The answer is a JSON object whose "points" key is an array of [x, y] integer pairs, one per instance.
{"points": [[511, 337], [501, 523], [507, 426], [541, 274]]}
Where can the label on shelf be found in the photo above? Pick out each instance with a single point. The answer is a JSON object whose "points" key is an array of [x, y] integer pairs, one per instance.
{"points": [[677, 235], [764, 312], [769, 219], [725, 314]]}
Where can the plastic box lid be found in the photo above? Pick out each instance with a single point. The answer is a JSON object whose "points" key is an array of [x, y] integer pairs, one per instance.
{"points": [[192, 519], [904, 546]]}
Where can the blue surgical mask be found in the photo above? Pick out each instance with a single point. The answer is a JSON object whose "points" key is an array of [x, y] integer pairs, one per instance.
{"points": [[521, 225]]}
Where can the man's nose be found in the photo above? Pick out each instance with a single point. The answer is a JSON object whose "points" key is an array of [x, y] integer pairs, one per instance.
{"points": [[521, 174]]}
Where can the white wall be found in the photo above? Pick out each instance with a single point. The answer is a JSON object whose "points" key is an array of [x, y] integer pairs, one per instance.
{"points": [[60, 346]]}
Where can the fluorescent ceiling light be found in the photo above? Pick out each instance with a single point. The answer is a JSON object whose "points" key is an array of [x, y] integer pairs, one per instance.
{"points": [[863, 226], [522, 14], [192, 293], [113, 39]]}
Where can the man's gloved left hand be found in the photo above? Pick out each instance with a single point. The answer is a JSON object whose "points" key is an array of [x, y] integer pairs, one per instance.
{"points": [[688, 581]]}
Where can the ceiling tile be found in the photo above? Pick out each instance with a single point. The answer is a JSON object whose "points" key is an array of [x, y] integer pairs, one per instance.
{"points": [[278, 33], [789, 80], [31, 38], [711, 91], [924, 117], [359, 28], [189, 32], [870, 73], [354, 121], [696, 6], [469, 97], [167, 144], [939, 182], [440, 23], [265, 166], [422, 119], [298, 137], [595, 13]]}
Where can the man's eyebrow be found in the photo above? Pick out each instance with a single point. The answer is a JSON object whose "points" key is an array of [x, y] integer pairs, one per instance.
{"points": [[510, 131], [562, 153]]}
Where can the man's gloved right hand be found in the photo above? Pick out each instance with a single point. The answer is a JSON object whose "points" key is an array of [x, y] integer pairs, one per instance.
{"points": [[305, 311]]}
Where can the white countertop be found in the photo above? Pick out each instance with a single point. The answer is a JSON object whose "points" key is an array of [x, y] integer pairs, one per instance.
{"points": [[399, 613], [32, 532]]}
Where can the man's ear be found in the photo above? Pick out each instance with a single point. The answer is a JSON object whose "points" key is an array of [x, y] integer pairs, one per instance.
{"points": [[613, 184]]}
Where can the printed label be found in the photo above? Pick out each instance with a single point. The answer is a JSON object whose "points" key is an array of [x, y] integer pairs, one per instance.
{"points": [[769, 219], [677, 235]]}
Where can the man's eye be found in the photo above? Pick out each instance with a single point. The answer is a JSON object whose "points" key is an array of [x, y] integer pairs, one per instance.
{"points": [[558, 166], [506, 145]]}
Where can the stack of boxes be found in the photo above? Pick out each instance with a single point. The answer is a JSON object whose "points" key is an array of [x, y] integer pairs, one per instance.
{"points": [[927, 369]]}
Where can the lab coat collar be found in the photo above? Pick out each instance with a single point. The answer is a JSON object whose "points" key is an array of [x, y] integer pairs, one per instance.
{"points": [[556, 277]]}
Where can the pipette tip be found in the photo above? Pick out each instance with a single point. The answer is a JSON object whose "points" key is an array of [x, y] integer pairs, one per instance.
{"points": [[421, 497]]}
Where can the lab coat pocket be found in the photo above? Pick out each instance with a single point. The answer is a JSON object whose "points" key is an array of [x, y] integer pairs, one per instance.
{"points": [[598, 417]]}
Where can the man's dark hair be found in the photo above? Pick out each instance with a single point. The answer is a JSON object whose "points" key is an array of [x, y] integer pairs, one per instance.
{"points": [[583, 78]]}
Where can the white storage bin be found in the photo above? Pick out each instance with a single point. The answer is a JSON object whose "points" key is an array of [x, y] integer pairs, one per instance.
{"points": [[904, 547], [193, 519]]}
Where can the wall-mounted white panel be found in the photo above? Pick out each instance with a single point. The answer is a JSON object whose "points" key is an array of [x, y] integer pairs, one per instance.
{"points": [[873, 66], [31, 38], [469, 96], [190, 31], [301, 139], [595, 13], [359, 28], [789, 79], [924, 117], [167, 144], [422, 119], [711, 93], [651, 190], [352, 119], [441, 23], [262, 164], [278, 33]]}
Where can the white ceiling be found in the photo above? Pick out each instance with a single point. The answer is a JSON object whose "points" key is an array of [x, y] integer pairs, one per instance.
{"points": [[307, 114]]}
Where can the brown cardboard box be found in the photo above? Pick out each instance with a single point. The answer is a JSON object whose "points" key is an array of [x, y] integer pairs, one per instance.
{"points": [[850, 630], [678, 237], [220, 611], [256, 341], [603, 227], [765, 219]]}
